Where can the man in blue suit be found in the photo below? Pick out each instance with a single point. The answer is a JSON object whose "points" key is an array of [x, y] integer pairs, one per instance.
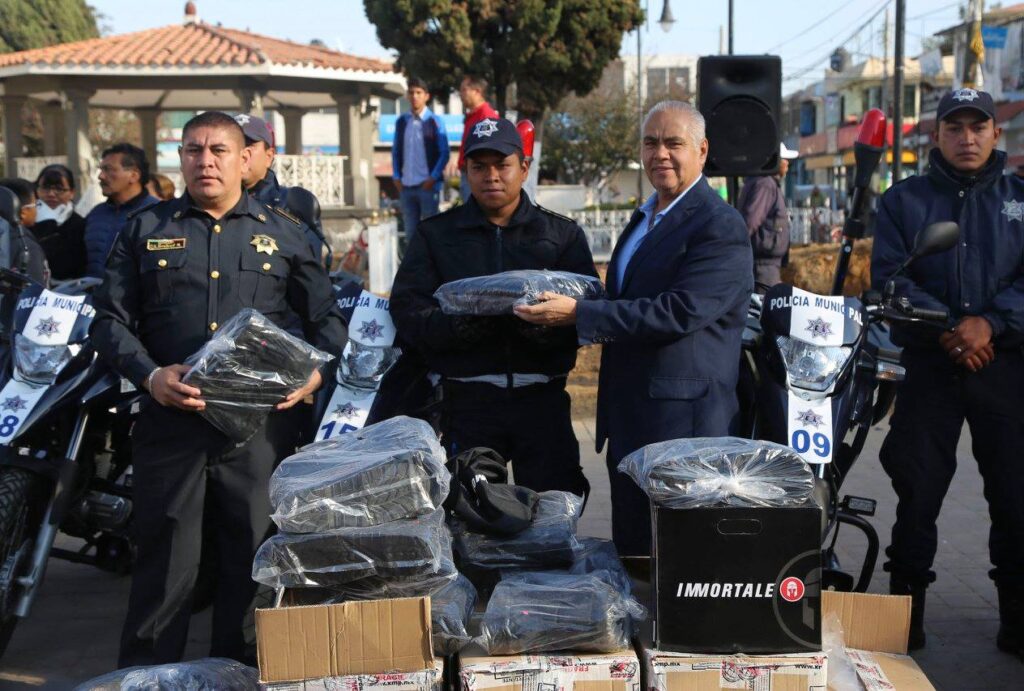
{"points": [[678, 286]]}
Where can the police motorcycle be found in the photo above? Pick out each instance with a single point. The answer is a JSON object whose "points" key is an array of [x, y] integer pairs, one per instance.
{"points": [[821, 370], [64, 456]]}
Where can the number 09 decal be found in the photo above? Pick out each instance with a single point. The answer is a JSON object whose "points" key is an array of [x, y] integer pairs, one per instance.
{"points": [[802, 441]]}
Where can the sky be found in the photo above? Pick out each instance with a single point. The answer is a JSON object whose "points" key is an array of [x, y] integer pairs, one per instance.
{"points": [[804, 33]]}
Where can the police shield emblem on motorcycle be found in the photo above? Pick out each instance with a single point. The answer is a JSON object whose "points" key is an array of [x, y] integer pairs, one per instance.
{"points": [[264, 243]]}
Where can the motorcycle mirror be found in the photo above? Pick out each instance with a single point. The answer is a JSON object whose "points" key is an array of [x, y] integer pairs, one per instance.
{"points": [[935, 238]]}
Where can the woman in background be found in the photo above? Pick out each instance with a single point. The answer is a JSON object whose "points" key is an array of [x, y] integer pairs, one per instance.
{"points": [[160, 186], [59, 228]]}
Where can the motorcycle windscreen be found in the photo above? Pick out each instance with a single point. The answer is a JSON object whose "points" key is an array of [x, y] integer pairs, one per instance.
{"points": [[822, 320]]}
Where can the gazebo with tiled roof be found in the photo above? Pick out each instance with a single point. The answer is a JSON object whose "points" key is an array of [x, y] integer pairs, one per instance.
{"points": [[196, 66]]}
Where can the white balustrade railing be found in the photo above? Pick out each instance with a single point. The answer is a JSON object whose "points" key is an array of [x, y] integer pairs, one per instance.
{"points": [[602, 228], [810, 225], [324, 176], [29, 167]]}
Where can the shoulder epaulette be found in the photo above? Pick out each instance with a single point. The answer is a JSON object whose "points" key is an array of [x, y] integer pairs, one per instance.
{"points": [[147, 207], [557, 215], [284, 214]]}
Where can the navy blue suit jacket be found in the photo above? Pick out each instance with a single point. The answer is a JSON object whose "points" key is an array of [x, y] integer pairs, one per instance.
{"points": [[672, 331]]}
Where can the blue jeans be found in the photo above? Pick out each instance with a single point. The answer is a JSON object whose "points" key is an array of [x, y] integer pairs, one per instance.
{"points": [[417, 203]]}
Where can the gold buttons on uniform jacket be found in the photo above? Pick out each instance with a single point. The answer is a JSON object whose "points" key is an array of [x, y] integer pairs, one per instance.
{"points": [[266, 266], [162, 263], [216, 228], [213, 326], [215, 274]]}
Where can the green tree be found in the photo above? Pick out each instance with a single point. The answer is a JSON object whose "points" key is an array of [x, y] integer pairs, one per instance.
{"points": [[587, 140], [544, 48], [26, 24]]}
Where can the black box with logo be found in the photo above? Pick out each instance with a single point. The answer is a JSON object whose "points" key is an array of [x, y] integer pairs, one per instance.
{"points": [[737, 580]]}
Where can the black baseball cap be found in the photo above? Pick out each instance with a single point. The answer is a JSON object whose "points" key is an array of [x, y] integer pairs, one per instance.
{"points": [[494, 134], [256, 129], [966, 99]]}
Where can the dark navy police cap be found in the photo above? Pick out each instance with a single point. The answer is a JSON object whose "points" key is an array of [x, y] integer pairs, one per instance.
{"points": [[493, 134], [964, 99], [256, 129]]}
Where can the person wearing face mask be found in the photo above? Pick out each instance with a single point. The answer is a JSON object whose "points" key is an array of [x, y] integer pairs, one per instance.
{"points": [[59, 229]]}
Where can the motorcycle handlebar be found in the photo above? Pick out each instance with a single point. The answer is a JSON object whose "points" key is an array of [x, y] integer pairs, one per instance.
{"points": [[929, 315]]}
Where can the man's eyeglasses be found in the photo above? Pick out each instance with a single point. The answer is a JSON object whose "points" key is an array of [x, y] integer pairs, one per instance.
{"points": [[55, 190]]}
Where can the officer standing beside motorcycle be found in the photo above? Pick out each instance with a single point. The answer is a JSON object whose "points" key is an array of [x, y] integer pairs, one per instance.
{"points": [[974, 370], [179, 270]]}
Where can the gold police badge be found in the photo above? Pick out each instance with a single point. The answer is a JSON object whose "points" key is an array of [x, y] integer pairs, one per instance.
{"points": [[264, 243]]}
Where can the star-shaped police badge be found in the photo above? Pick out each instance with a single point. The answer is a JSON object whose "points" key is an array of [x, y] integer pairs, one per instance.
{"points": [[264, 243], [819, 328], [485, 128], [345, 410], [962, 95], [809, 418], [1013, 210], [242, 119], [371, 330], [14, 403], [47, 327]]}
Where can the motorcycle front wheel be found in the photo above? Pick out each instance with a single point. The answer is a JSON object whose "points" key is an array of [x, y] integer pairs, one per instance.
{"points": [[18, 487]]}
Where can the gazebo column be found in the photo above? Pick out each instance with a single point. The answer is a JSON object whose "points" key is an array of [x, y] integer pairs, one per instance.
{"points": [[13, 141], [292, 130], [148, 118], [250, 101], [355, 140], [76, 124], [53, 129]]}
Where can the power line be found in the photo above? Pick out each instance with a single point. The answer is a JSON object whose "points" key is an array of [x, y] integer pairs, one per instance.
{"points": [[874, 11], [842, 6], [878, 10], [935, 11]]}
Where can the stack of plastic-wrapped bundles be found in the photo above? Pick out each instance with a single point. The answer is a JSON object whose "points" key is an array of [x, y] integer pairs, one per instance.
{"points": [[556, 592], [361, 517]]}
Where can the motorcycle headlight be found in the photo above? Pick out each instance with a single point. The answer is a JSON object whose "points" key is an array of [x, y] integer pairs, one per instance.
{"points": [[364, 366], [812, 367], [39, 364]]}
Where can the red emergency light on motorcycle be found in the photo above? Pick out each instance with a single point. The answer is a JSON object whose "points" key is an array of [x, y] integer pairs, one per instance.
{"points": [[867, 152]]}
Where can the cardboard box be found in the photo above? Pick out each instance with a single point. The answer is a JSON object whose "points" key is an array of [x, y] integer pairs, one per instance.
{"points": [[427, 680], [552, 672], [737, 580], [352, 638], [691, 672], [875, 630]]}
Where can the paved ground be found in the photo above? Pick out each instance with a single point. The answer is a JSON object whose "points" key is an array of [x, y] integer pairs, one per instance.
{"points": [[72, 633]]}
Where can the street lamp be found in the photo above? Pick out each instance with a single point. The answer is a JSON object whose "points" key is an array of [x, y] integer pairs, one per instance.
{"points": [[666, 22]]}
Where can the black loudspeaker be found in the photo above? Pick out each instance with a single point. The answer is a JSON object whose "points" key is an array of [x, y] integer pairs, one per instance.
{"points": [[740, 98]]}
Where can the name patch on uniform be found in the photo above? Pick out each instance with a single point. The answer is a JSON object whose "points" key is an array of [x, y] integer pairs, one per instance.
{"points": [[166, 244]]}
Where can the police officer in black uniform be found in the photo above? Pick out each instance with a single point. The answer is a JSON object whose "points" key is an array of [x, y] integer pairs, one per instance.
{"points": [[972, 371], [261, 182], [179, 270], [503, 380]]}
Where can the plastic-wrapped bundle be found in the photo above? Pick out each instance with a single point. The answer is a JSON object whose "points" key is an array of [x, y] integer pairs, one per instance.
{"points": [[397, 559], [600, 557], [363, 366], [549, 542], [208, 674], [720, 471], [537, 612], [450, 609], [392, 470], [499, 293], [246, 369]]}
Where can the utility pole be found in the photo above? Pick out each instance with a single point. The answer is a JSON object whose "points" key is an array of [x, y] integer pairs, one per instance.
{"points": [[897, 97], [885, 89], [640, 112]]}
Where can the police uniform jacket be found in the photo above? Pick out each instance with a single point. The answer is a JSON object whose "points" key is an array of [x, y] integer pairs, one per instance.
{"points": [[176, 273], [983, 275], [271, 192], [462, 243]]}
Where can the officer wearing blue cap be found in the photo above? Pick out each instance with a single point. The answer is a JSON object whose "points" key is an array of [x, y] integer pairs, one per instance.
{"points": [[503, 380], [974, 370], [262, 183]]}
